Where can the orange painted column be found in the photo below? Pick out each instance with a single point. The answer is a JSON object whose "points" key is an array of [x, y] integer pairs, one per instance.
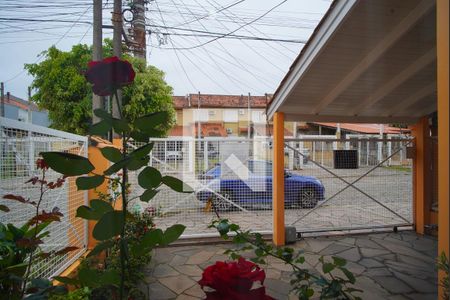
{"points": [[443, 129], [422, 186], [278, 180], [101, 164]]}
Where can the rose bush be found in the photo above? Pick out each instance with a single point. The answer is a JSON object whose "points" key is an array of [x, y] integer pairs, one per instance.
{"points": [[234, 280]]}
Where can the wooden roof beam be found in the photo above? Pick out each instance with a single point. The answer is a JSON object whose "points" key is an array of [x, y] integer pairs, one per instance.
{"points": [[411, 100], [386, 43], [418, 65]]}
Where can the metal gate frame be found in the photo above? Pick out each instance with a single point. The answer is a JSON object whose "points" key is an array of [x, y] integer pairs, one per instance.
{"points": [[409, 141]]}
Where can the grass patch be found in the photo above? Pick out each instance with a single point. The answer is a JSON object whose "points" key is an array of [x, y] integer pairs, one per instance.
{"points": [[399, 168]]}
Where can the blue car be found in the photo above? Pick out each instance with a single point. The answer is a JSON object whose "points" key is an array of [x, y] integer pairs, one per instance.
{"points": [[252, 187]]}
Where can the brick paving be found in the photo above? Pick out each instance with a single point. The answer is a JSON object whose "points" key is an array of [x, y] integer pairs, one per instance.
{"points": [[387, 266]]}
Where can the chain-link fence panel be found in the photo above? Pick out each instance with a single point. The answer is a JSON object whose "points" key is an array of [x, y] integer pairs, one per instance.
{"points": [[20, 145]]}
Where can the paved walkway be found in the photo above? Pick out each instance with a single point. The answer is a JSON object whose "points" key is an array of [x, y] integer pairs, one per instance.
{"points": [[387, 266]]}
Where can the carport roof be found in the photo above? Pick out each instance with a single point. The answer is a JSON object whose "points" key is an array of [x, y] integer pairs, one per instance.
{"points": [[367, 62]]}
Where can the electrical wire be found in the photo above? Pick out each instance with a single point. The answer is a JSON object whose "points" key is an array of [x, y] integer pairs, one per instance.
{"points": [[57, 42], [237, 29], [176, 53]]}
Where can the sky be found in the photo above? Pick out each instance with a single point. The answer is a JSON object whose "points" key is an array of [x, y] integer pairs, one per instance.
{"points": [[185, 39]]}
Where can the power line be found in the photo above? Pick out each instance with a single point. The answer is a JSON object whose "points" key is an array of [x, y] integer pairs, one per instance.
{"points": [[225, 49], [45, 20], [59, 40], [240, 27], [203, 33], [230, 78], [178, 58]]}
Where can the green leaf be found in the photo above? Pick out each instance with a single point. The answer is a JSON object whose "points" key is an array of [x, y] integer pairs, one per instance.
{"points": [[120, 125], [100, 247], [142, 151], [111, 154], [109, 226], [67, 280], [176, 184], [223, 228], [36, 230], [117, 166], [101, 206], [100, 128], [259, 252], [110, 277], [89, 182], [149, 178], [349, 275], [327, 267], [137, 163], [148, 123], [4, 208], [96, 211], [67, 163], [338, 261], [88, 277], [148, 195], [103, 114], [172, 234], [151, 239], [140, 137]]}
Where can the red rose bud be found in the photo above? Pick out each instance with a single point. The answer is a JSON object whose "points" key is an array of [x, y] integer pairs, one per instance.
{"points": [[109, 75], [41, 164]]}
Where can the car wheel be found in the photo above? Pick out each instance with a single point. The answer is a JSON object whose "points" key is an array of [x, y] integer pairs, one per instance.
{"points": [[221, 204], [308, 198]]}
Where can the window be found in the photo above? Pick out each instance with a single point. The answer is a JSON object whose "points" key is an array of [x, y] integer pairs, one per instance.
{"points": [[22, 115], [201, 115], [230, 116], [258, 117], [260, 168]]}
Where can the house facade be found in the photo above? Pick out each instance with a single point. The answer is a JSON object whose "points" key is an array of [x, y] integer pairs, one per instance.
{"points": [[24, 111]]}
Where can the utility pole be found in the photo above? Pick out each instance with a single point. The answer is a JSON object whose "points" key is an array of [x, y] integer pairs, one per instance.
{"points": [[199, 129], [30, 112], [249, 117], [2, 103], [117, 48], [97, 53], [139, 49]]}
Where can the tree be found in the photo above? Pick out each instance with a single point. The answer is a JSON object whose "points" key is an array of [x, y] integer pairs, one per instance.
{"points": [[60, 87]]}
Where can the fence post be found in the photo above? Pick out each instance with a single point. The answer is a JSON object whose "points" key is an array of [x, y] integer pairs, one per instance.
{"points": [[278, 180], [205, 155], [31, 163], [421, 176], [101, 164], [443, 134]]}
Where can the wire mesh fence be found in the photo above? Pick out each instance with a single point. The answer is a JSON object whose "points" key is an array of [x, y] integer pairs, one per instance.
{"points": [[375, 192], [330, 184], [20, 146]]}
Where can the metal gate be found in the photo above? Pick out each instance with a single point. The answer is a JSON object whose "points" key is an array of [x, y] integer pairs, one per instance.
{"points": [[20, 145], [232, 178], [367, 184]]}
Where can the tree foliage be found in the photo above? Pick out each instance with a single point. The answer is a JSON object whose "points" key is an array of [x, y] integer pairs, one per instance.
{"points": [[60, 87]]}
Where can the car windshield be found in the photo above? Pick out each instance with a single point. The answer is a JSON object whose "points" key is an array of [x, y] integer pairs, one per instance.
{"points": [[260, 168]]}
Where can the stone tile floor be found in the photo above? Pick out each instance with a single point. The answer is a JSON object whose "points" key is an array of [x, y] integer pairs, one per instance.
{"points": [[387, 266]]}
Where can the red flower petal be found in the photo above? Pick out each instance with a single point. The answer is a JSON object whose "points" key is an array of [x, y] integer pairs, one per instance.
{"points": [[109, 75]]}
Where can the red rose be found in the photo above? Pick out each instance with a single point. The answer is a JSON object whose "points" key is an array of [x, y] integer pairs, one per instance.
{"points": [[234, 280], [109, 75]]}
